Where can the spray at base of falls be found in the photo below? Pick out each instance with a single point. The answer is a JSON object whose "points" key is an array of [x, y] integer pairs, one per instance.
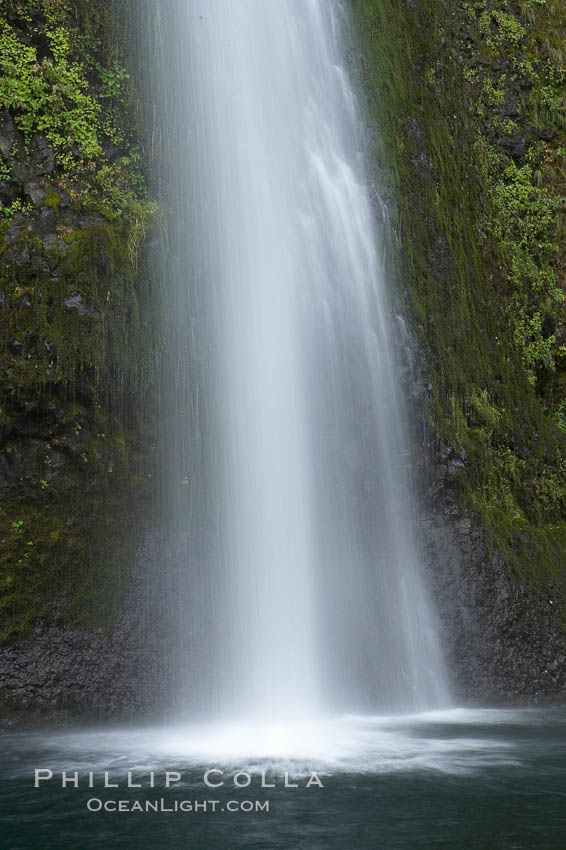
{"points": [[286, 475]]}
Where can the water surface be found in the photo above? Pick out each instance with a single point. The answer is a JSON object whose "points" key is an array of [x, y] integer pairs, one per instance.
{"points": [[485, 779]]}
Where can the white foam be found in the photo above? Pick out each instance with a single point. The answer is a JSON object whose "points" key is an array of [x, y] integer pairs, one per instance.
{"points": [[457, 741]]}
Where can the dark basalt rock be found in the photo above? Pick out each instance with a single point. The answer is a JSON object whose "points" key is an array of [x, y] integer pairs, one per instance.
{"points": [[516, 146], [9, 191], [71, 437], [504, 639], [35, 193], [7, 133], [70, 674], [42, 160], [46, 224], [75, 302]]}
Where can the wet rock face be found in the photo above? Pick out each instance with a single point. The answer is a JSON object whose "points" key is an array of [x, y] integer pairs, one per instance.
{"points": [[42, 160], [74, 301], [35, 193], [77, 440], [7, 133], [66, 674], [9, 191], [72, 674], [504, 639], [73, 493]]}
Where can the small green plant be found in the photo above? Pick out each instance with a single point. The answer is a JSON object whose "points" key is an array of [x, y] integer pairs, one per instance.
{"points": [[48, 95], [17, 206], [500, 27], [559, 416]]}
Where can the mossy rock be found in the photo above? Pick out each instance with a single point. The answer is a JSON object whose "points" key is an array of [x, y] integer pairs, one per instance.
{"points": [[465, 107]]}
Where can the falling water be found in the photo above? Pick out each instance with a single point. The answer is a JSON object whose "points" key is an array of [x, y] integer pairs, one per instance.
{"points": [[286, 475]]}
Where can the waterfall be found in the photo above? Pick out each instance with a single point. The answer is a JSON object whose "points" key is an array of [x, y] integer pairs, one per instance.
{"points": [[285, 454]]}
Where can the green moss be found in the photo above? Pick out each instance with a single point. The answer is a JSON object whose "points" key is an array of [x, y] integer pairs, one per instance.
{"points": [[53, 201], [57, 564], [76, 366], [466, 124]]}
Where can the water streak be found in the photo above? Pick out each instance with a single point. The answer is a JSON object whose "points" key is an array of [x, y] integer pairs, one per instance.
{"points": [[287, 458]]}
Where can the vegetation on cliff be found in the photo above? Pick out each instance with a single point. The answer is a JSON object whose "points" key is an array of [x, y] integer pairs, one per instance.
{"points": [[76, 342], [467, 129], [466, 103]]}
